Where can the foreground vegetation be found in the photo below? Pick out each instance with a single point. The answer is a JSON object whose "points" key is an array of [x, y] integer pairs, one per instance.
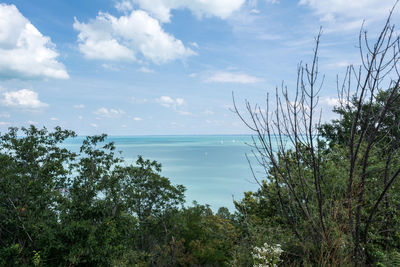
{"points": [[59, 208]]}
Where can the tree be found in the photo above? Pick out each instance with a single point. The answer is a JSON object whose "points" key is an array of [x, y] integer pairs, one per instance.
{"points": [[32, 177], [87, 208], [200, 238], [151, 198], [332, 180]]}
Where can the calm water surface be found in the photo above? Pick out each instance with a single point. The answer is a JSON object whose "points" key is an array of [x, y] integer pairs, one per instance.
{"points": [[213, 169]]}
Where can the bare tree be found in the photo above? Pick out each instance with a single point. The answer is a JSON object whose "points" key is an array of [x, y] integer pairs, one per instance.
{"points": [[289, 145]]}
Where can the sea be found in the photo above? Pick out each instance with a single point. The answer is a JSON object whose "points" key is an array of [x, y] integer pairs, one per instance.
{"points": [[213, 168]]}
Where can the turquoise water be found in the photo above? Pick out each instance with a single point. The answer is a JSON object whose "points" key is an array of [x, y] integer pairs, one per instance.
{"points": [[213, 169]]}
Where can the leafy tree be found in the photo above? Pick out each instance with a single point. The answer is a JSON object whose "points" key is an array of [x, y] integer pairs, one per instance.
{"points": [[33, 176], [88, 208], [91, 208], [200, 238]]}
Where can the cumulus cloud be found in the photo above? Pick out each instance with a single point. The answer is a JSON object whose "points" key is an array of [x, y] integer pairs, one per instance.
{"points": [[109, 113], [161, 9], [177, 104], [137, 119], [124, 38], [341, 14], [255, 11], [230, 77], [333, 101], [169, 102], [146, 70], [194, 44], [110, 67], [124, 6], [23, 98], [24, 52]]}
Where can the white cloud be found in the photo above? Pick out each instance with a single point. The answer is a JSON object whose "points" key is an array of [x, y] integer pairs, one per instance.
{"points": [[2, 123], [341, 7], [138, 100], [124, 6], [146, 70], [177, 104], [80, 117], [330, 101], [208, 112], [109, 113], [5, 115], [227, 106], [23, 98], [169, 102], [230, 77], [24, 51], [96, 41], [123, 38], [79, 106], [94, 125], [165, 101], [339, 64], [185, 113], [215, 122], [194, 44], [161, 9], [137, 119], [348, 15], [110, 67], [54, 119]]}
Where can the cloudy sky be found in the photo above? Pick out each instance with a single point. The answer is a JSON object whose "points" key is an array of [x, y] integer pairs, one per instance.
{"points": [[136, 67]]}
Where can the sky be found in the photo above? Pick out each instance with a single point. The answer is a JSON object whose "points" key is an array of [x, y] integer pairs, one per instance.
{"points": [[168, 67]]}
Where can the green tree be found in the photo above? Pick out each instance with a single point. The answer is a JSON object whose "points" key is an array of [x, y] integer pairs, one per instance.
{"points": [[86, 208], [200, 238], [33, 175]]}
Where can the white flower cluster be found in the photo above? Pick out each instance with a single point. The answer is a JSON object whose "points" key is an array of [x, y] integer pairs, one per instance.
{"points": [[267, 255]]}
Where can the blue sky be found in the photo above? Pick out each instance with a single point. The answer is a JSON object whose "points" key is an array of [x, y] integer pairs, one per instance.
{"points": [[138, 67]]}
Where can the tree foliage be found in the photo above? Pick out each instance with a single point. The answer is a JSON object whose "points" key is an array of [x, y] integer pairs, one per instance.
{"points": [[334, 184], [91, 208]]}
